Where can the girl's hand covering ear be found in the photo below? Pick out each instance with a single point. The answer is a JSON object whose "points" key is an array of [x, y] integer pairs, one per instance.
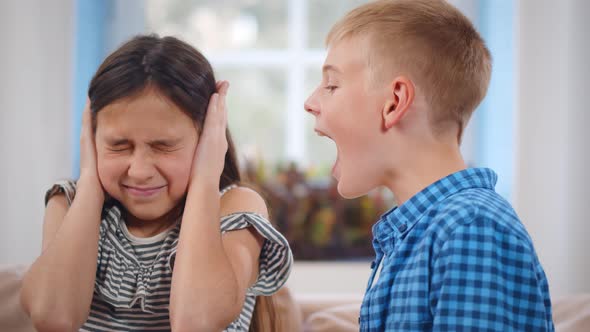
{"points": [[212, 146], [88, 164]]}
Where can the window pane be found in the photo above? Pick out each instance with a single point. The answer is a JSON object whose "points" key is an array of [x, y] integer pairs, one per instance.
{"points": [[256, 103], [323, 14], [221, 25]]}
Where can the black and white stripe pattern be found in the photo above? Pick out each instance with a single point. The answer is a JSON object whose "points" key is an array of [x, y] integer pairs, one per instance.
{"points": [[134, 275]]}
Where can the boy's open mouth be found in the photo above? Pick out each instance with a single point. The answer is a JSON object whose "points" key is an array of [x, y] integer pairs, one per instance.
{"points": [[335, 168]]}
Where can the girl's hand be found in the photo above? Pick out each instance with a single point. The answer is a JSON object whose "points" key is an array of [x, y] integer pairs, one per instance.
{"points": [[212, 146], [88, 168]]}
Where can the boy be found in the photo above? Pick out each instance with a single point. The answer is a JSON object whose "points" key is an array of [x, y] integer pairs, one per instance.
{"points": [[400, 81]]}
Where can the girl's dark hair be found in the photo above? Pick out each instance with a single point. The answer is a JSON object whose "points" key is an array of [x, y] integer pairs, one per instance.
{"points": [[183, 75], [172, 67]]}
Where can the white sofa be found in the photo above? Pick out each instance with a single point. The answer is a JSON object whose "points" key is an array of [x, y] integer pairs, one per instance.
{"points": [[571, 314]]}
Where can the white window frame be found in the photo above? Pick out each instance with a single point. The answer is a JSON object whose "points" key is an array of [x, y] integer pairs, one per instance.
{"points": [[294, 59]]}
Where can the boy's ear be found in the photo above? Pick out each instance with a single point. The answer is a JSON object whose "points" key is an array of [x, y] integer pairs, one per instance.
{"points": [[401, 97]]}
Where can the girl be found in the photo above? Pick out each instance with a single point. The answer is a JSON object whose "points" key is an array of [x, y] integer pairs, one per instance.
{"points": [[179, 244]]}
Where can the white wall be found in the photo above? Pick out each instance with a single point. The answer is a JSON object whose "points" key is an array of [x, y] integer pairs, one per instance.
{"points": [[552, 178], [35, 83], [125, 19]]}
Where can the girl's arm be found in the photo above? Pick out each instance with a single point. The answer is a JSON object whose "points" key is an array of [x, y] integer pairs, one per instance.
{"points": [[57, 289], [211, 272]]}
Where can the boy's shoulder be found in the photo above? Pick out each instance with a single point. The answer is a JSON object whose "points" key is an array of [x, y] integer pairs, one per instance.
{"points": [[476, 214], [472, 204]]}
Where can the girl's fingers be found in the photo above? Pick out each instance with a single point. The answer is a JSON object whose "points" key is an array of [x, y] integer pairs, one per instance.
{"points": [[86, 117], [222, 88], [216, 118], [222, 109], [87, 148], [212, 109], [216, 113], [86, 132], [219, 85]]}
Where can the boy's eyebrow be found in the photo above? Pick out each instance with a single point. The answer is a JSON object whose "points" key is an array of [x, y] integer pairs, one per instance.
{"points": [[327, 68]]}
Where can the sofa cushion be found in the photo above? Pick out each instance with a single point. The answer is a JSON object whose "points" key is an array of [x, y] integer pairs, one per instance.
{"points": [[287, 313], [572, 313], [317, 312], [343, 318], [13, 318]]}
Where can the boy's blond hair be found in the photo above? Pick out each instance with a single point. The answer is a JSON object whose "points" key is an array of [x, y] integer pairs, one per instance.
{"points": [[430, 42]]}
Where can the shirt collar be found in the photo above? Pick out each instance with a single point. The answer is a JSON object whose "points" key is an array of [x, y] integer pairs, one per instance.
{"points": [[397, 222]]}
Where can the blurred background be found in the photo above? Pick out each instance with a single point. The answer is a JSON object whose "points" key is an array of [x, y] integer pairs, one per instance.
{"points": [[531, 128]]}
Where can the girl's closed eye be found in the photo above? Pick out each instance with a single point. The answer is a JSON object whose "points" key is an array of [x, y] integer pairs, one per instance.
{"points": [[118, 149], [118, 146], [166, 146]]}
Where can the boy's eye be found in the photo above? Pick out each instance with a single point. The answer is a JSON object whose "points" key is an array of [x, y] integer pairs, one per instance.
{"points": [[330, 88]]}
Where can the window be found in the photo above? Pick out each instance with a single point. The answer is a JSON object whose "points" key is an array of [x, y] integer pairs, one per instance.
{"points": [[272, 51]]}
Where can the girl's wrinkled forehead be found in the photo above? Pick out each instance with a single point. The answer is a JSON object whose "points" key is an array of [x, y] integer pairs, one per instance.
{"points": [[145, 113]]}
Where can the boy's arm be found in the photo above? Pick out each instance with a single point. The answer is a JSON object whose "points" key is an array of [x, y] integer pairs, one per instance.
{"points": [[57, 289], [485, 279]]}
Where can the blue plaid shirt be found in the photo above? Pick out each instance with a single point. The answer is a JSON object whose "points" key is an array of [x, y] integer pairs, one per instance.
{"points": [[455, 257]]}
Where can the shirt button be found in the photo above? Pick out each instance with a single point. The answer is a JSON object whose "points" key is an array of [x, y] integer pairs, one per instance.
{"points": [[402, 228], [372, 266]]}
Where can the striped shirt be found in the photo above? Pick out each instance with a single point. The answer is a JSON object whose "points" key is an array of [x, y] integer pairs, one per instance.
{"points": [[455, 257], [134, 275]]}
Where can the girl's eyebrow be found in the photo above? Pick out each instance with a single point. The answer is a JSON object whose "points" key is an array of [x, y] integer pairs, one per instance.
{"points": [[165, 142], [116, 141]]}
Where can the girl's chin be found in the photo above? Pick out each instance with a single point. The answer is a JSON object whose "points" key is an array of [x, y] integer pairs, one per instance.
{"points": [[143, 214]]}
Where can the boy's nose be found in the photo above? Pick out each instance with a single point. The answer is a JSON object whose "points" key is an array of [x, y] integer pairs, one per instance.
{"points": [[310, 107]]}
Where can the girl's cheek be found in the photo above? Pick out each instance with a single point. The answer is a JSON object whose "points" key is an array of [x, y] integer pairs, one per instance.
{"points": [[110, 169], [177, 168]]}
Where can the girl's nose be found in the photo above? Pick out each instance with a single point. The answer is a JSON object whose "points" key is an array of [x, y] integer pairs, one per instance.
{"points": [[141, 168]]}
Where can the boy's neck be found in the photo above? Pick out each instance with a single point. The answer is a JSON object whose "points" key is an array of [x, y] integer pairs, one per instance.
{"points": [[422, 170]]}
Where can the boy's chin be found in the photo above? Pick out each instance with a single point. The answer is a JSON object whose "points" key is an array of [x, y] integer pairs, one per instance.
{"points": [[349, 190]]}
